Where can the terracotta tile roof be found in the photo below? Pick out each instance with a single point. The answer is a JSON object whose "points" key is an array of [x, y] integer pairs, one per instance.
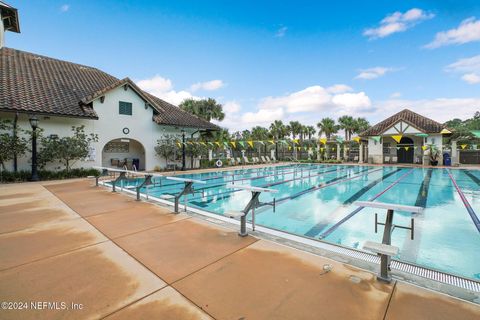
{"points": [[420, 122], [31, 83]]}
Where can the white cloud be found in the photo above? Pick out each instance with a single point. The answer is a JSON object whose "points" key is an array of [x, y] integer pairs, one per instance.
{"points": [[262, 116], [471, 78], [467, 31], [163, 89], [395, 95], [65, 8], [440, 109], [207, 85], [352, 100], [373, 73], [339, 88], [397, 22], [470, 67], [231, 107], [281, 32]]}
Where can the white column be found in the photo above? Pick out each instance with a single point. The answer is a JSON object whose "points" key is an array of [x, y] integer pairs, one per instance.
{"points": [[210, 154], [454, 153], [2, 32], [360, 153], [338, 151]]}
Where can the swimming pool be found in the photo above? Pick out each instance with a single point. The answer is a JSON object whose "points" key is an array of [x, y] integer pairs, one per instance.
{"points": [[316, 201]]}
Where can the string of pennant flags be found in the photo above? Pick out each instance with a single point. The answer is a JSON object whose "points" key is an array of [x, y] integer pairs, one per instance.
{"points": [[296, 144]]}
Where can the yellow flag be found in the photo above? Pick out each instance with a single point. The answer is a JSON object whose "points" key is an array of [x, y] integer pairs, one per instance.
{"points": [[463, 146], [397, 137], [217, 143], [406, 148], [234, 144], [289, 148], [250, 143], [271, 141], [323, 140], [357, 139], [295, 141], [445, 131], [179, 144], [424, 148], [204, 143], [321, 149]]}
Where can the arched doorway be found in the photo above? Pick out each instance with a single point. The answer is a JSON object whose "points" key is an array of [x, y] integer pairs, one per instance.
{"points": [[118, 153], [405, 150]]}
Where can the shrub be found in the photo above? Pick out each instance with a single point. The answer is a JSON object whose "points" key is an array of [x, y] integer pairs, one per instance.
{"points": [[20, 176]]}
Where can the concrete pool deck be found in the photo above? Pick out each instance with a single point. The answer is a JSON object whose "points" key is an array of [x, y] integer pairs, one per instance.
{"points": [[70, 242]]}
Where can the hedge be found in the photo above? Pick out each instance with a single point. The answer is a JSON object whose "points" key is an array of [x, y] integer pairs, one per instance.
{"points": [[20, 176]]}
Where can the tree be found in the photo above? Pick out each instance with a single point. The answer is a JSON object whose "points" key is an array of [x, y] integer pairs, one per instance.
{"points": [[278, 130], [10, 144], [347, 123], [66, 150], [327, 126], [360, 125], [310, 131], [167, 147], [207, 109], [295, 128]]}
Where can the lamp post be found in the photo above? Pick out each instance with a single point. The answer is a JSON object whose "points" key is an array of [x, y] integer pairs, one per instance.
{"points": [[183, 150], [34, 123]]}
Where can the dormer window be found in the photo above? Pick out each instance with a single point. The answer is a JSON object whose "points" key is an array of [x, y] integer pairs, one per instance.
{"points": [[125, 108]]}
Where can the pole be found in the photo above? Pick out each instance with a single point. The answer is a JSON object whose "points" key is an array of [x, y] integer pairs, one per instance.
{"points": [[183, 150], [34, 176]]}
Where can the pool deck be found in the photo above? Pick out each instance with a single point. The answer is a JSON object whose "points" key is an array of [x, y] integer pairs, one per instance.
{"points": [[122, 259]]}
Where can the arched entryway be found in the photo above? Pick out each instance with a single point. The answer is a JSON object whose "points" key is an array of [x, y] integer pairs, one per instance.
{"points": [[405, 150], [119, 153]]}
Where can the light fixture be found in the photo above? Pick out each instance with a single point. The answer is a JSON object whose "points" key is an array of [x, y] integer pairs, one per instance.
{"points": [[33, 122]]}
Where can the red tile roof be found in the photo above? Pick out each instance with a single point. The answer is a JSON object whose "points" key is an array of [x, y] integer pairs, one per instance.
{"points": [[420, 122], [32, 83]]}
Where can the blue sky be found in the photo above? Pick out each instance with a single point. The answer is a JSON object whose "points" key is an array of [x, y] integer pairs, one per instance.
{"points": [[266, 60]]}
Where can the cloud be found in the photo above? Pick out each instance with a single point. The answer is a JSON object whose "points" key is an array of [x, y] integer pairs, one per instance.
{"points": [[65, 8], [467, 31], [208, 85], [339, 88], [439, 109], [281, 32], [373, 73], [395, 95], [231, 107], [470, 67], [471, 78], [163, 89], [397, 22], [262, 116]]}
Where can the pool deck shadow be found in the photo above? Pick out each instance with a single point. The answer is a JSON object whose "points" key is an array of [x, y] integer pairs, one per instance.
{"points": [[123, 259]]}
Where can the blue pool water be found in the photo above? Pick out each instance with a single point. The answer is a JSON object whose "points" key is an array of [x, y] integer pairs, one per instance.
{"points": [[316, 201]]}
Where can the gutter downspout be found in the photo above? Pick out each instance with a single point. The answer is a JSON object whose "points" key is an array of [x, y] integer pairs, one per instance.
{"points": [[191, 157], [15, 160]]}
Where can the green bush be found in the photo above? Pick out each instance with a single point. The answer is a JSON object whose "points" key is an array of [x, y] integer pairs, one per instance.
{"points": [[20, 176]]}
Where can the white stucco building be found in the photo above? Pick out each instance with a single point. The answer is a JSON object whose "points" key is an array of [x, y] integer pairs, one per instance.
{"points": [[404, 137], [127, 120]]}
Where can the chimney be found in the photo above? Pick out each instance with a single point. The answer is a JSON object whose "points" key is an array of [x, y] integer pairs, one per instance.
{"points": [[8, 21]]}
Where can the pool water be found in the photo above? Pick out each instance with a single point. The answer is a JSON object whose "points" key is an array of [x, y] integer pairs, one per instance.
{"points": [[316, 201]]}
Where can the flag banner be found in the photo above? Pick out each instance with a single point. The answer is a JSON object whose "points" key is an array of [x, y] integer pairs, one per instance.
{"points": [[377, 138], [445, 131], [339, 139], [397, 138], [356, 139], [321, 149], [271, 141], [250, 143], [179, 144], [289, 148], [261, 142], [210, 143], [295, 141], [306, 148], [398, 148], [242, 143], [217, 143], [424, 135], [225, 143], [406, 148], [233, 143], [203, 142], [463, 146], [476, 133], [323, 140], [284, 141]]}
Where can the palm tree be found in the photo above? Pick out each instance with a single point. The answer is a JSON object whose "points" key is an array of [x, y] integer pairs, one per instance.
{"points": [[277, 129], [327, 126], [347, 123], [360, 125], [207, 109], [310, 131], [295, 128]]}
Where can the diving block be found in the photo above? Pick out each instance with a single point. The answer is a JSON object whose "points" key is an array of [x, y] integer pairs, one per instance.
{"points": [[252, 204], [187, 189], [385, 249], [186, 180], [380, 248], [250, 188], [389, 206], [235, 214]]}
